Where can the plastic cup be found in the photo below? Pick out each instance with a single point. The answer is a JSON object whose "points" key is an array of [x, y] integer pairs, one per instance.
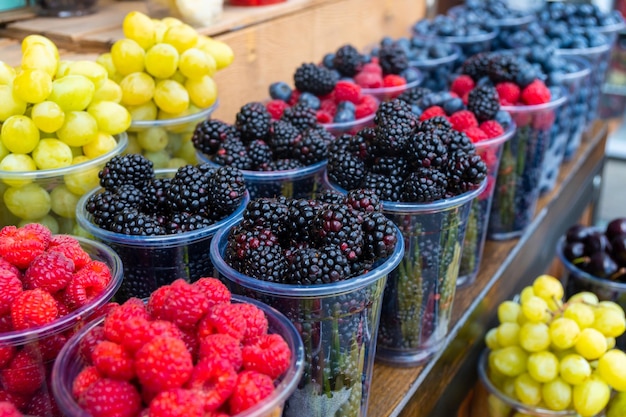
{"points": [[468, 45], [517, 186], [154, 261], [44, 343], [476, 230], [70, 363], [173, 147], [389, 93], [437, 72], [50, 196], [338, 324]]}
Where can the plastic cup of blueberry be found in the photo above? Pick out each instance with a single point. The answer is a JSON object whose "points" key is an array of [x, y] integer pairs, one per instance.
{"points": [[329, 287], [436, 61]]}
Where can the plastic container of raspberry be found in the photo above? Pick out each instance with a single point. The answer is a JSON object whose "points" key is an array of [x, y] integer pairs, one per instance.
{"points": [[176, 150], [31, 385], [303, 182], [70, 363], [338, 324], [389, 93], [517, 185], [152, 261], [438, 71], [490, 151], [50, 196]]}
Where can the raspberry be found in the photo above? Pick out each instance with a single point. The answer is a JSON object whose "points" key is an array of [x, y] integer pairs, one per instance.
{"points": [[223, 318], [87, 376], [50, 271], [270, 355], [329, 106], [216, 378], [24, 374], [508, 92], [256, 322], [4, 264], [115, 323], [293, 99], [492, 128], [462, 85], [156, 302], [111, 398], [163, 363], [48, 348], [7, 409], [347, 91], [6, 354], [42, 404], [323, 117], [475, 134], [136, 331], [70, 247], [369, 79], [221, 346], [20, 401], [366, 106], [6, 324], [87, 284], [20, 246], [184, 304], [88, 342], [393, 80], [112, 361], [372, 67], [191, 341], [432, 111], [251, 388], [10, 288], [276, 108], [535, 93], [33, 308], [177, 403], [462, 120]]}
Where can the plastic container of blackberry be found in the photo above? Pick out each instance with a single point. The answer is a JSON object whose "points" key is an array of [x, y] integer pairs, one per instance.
{"points": [[338, 324], [153, 261], [178, 150], [438, 71], [45, 342], [50, 196], [389, 93], [70, 363]]}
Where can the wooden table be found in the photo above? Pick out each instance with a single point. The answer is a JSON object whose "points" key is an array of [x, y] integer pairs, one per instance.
{"points": [[440, 387]]}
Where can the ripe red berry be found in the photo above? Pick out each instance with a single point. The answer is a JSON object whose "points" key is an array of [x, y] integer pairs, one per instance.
{"points": [[7, 409], [163, 363], [48, 348], [492, 128], [372, 67], [89, 341], [20, 401], [221, 346], [536, 93], [393, 80], [347, 91], [24, 374], [112, 361], [10, 288], [462, 85], [463, 119], [20, 246], [223, 318], [475, 134], [177, 403], [328, 106], [87, 283], [115, 322], [71, 248], [270, 355], [508, 92], [276, 108], [6, 354], [184, 305], [216, 379], [366, 106], [256, 322], [369, 79], [323, 117], [251, 388], [42, 404], [33, 308], [50, 271], [432, 112], [111, 398], [85, 378]]}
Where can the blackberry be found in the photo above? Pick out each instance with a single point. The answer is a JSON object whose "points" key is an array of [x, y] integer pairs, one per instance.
{"points": [[393, 58], [131, 221], [356, 144], [281, 137], [210, 133], [348, 61], [388, 188], [483, 102], [476, 65], [503, 67], [284, 164], [465, 172], [188, 190], [311, 148], [226, 190], [414, 95], [232, 152], [314, 79], [380, 235], [260, 153], [339, 225], [243, 240], [364, 200], [268, 213], [102, 207], [395, 123], [185, 222], [300, 215], [300, 116], [434, 123], [330, 197], [458, 141], [156, 196], [424, 185], [346, 170], [126, 169], [311, 266], [267, 263], [389, 165], [427, 150], [253, 121]]}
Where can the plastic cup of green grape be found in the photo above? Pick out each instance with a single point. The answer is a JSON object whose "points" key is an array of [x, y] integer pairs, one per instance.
{"points": [[49, 196]]}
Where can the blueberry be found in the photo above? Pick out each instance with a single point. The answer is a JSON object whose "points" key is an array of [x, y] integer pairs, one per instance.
{"points": [[346, 105], [309, 100], [328, 60], [343, 116], [280, 90], [411, 74], [453, 105], [504, 118]]}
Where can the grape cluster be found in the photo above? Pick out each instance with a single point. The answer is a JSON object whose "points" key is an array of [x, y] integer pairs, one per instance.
{"points": [[556, 354]]}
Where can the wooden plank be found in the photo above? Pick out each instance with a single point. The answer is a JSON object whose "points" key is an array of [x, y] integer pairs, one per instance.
{"points": [[16, 15]]}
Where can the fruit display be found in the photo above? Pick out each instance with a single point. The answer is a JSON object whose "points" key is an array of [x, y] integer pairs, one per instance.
{"points": [[165, 70], [278, 154], [323, 263], [52, 285], [339, 105], [436, 61], [550, 353], [187, 350], [160, 222]]}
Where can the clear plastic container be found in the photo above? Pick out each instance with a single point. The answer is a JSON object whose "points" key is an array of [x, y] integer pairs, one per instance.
{"points": [[70, 363], [65, 8], [389, 93], [201, 14], [438, 72], [468, 45], [50, 196], [44, 343], [153, 261], [338, 324], [517, 186]]}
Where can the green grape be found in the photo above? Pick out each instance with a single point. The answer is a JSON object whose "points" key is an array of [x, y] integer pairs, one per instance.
{"points": [[140, 28], [175, 163], [30, 40], [16, 162], [137, 88], [32, 86], [591, 344], [510, 360], [72, 92], [48, 116], [84, 179], [181, 37], [612, 369], [63, 202], [574, 369], [102, 144], [179, 77], [39, 57], [52, 154], [610, 343], [536, 309], [617, 405], [128, 56], [19, 134], [220, 51], [564, 332], [496, 407], [609, 321], [543, 366], [584, 297], [106, 60], [143, 112], [3, 151], [527, 390], [612, 305], [159, 159], [548, 287], [109, 91], [7, 73], [153, 139], [97, 73], [49, 221], [162, 60], [171, 96], [159, 30], [10, 104], [79, 128], [508, 311], [591, 396], [133, 146], [187, 152], [508, 387], [534, 337], [112, 118], [508, 334], [195, 63], [202, 91], [581, 313], [28, 202], [557, 394], [526, 293], [491, 339]]}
